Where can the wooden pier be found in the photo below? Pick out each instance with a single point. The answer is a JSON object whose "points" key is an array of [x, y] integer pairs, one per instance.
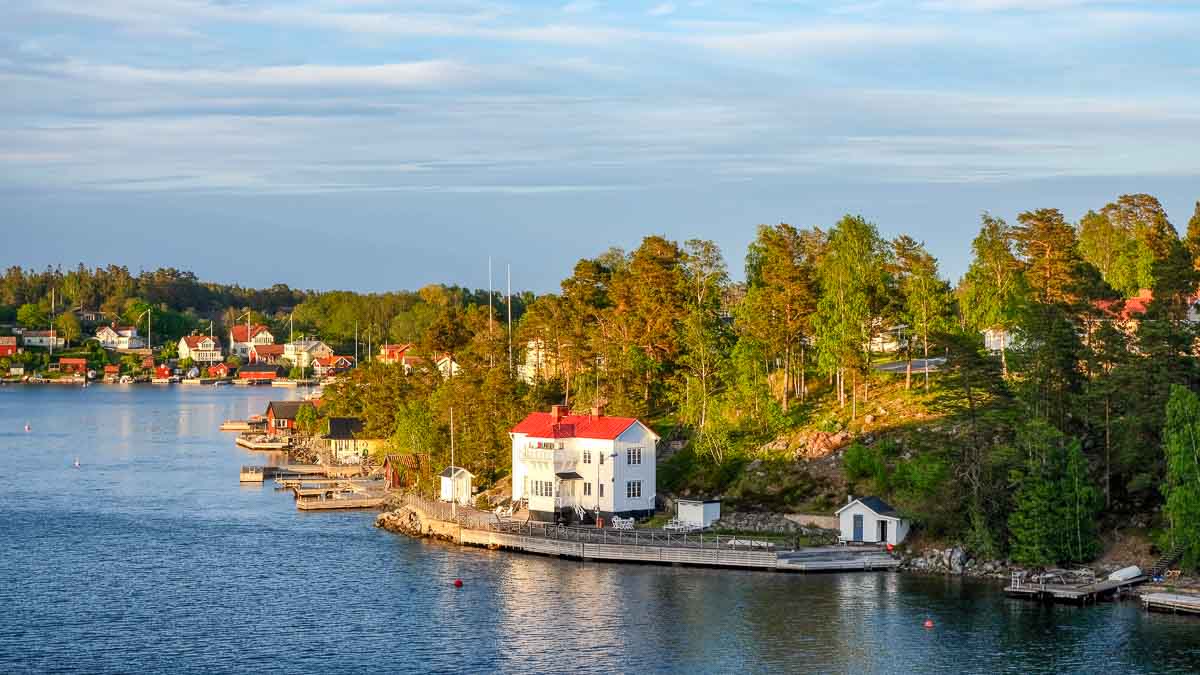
{"points": [[1172, 602], [327, 502], [256, 442], [1081, 593]]}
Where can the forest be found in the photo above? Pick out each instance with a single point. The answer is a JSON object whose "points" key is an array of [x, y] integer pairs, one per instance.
{"points": [[1079, 416]]}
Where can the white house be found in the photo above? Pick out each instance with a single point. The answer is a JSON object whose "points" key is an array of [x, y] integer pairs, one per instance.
{"points": [[241, 337], [119, 337], [447, 366], [200, 348], [302, 353], [700, 513], [42, 338], [580, 465], [871, 520], [456, 485], [997, 339]]}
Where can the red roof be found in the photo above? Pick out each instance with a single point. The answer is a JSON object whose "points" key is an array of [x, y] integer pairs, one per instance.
{"points": [[329, 361], [386, 348], [112, 369], [1134, 306], [268, 350], [541, 425], [8, 340], [193, 341], [73, 362], [238, 331]]}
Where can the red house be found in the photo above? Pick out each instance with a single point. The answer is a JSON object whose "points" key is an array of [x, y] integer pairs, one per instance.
{"points": [[332, 365], [70, 365], [112, 371], [162, 372], [281, 416], [8, 345], [258, 371], [220, 370], [393, 353], [148, 363]]}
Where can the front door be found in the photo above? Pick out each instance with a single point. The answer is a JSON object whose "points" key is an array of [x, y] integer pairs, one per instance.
{"points": [[858, 527], [883, 532]]}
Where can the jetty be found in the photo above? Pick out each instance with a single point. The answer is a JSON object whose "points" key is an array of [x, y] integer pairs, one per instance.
{"points": [[1176, 603], [262, 442], [259, 474], [1056, 588], [470, 527]]}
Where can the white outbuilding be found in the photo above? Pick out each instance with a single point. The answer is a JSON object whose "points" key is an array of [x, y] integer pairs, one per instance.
{"points": [[698, 513], [456, 485], [871, 520]]}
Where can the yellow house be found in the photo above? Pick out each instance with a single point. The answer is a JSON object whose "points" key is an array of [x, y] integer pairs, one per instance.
{"points": [[345, 440]]}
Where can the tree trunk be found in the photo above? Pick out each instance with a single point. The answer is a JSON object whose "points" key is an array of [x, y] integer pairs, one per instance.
{"points": [[803, 385], [854, 394], [787, 367], [1004, 354], [926, 341]]}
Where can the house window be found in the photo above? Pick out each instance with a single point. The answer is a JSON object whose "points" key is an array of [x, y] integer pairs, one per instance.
{"points": [[633, 456], [602, 458], [601, 486], [633, 489], [587, 489], [280, 423], [587, 456]]}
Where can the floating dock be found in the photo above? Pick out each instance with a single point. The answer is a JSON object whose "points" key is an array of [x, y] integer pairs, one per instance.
{"points": [[235, 425], [1073, 593], [335, 502], [1172, 602], [258, 443]]}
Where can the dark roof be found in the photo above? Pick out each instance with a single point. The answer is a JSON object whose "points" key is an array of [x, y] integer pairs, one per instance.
{"points": [[344, 428], [260, 368], [286, 410], [878, 506], [569, 475], [451, 470]]}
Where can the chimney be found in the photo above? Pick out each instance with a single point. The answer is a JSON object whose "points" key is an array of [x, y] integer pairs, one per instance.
{"points": [[849, 499], [557, 412], [597, 411]]}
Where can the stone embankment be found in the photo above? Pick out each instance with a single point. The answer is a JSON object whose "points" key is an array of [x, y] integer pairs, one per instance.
{"points": [[807, 525], [956, 561]]}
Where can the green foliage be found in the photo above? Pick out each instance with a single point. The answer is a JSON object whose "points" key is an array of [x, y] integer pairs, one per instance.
{"points": [[1055, 505], [68, 327], [32, 317], [1181, 489]]}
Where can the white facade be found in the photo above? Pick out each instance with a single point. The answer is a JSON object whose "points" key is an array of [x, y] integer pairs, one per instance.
{"points": [[606, 475], [204, 350], [42, 339], [456, 485], [302, 353], [860, 523], [447, 366], [119, 337], [698, 513]]}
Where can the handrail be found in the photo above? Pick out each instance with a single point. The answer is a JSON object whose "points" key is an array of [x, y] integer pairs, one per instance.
{"points": [[639, 537]]}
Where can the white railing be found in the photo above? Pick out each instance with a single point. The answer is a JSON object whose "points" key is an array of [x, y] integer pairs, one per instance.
{"points": [[538, 454]]}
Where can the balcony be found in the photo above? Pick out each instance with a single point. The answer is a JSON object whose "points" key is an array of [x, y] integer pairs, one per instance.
{"points": [[563, 460]]}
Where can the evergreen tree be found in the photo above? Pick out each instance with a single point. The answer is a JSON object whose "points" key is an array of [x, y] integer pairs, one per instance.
{"points": [[1181, 488], [992, 289]]}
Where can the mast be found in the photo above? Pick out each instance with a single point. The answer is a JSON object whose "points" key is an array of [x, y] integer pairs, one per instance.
{"points": [[508, 270], [453, 486]]}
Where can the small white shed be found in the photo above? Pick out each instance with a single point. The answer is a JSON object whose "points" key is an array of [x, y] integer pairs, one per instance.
{"points": [[700, 513], [871, 520], [456, 485]]}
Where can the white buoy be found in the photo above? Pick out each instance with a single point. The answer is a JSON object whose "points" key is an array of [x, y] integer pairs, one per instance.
{"points": [[28, 428], [76, 462]]}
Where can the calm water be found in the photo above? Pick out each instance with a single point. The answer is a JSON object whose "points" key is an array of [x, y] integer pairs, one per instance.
{"points": [[151, 558]]}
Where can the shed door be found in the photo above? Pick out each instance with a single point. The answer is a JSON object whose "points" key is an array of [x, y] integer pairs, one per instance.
{"points": [[858, 527], [883, 531]]}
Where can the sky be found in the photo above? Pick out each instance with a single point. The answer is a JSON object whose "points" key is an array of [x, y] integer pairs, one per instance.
{"points": [[385, 144]]}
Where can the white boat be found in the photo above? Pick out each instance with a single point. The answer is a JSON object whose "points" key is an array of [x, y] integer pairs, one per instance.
{"points": [[1126, 573]]}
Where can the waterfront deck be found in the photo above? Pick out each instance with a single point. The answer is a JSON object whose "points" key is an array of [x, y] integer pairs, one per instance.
{"points": [[1172, 602], [326, 502], [1081, 593], [256, 442]]}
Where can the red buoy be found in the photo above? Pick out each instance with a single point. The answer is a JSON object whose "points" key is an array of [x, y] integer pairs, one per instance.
{"points": [[458, 583], [929, 623]]}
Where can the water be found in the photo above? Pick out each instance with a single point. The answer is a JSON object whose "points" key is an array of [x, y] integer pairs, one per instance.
{"points": [[151, 558]]}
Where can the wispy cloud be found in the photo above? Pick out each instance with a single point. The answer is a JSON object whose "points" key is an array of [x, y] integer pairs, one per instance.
{"points": [[404, 75], [662, 9]]}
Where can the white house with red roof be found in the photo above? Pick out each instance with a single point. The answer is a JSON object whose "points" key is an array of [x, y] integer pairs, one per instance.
{"points": [[576, 466], [242, 337], [331, 365], [200, 348]]}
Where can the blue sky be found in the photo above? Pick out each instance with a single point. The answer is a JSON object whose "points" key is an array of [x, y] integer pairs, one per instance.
{"points": [[381, 144]]}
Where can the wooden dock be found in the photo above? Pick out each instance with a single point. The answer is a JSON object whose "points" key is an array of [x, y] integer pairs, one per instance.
{"points": [[1172, 602], [256, 443], [1075, 593], [324, 503]]}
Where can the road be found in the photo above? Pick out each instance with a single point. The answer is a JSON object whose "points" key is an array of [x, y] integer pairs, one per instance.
{"points": [[918, 365]]}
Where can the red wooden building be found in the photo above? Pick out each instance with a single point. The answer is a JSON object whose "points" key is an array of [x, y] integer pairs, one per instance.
{"points": [[8, 345], [220, 370], [258, 371], [72, 365], [281, 416]]}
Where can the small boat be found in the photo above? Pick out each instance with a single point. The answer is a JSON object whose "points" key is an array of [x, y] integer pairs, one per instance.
{"points": [[76, 462], [28, 428]]}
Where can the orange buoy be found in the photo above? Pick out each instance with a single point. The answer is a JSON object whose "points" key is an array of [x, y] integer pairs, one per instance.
{"points": [[929, 623], [458, 583]]}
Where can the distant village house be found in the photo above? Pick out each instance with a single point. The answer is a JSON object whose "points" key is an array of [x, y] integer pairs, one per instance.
{"points": [[200, 348], [243, 337], [119, 337]]}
